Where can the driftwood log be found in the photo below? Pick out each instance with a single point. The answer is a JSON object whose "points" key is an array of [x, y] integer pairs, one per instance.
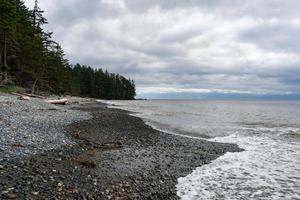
{"points": [[26, 98], [58, 101], [33, 95], [21, 96], [27, 94], [16, 94]]}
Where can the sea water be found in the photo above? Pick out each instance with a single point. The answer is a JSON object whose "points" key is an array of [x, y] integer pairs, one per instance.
{"points": [[269, 131]]}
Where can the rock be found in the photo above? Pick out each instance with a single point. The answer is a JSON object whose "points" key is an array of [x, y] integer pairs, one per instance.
{"points": [[73, 190], [5, 192], [10, 195], [126, 184], [35, 193]]}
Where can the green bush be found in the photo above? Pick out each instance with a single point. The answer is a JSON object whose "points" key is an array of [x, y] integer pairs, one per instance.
{"points": [[9, 89]]}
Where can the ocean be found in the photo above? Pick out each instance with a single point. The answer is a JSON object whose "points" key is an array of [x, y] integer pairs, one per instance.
{"points": [[269, 131]]}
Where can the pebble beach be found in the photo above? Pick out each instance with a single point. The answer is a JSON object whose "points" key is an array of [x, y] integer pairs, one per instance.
{"points": [[85, 150]]}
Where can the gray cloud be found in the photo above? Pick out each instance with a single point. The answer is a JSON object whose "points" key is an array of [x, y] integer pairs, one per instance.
{"points": [[193, 45], [275, 35]]}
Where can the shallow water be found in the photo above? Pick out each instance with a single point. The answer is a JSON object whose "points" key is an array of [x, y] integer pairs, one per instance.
{"points": [[269, 131]]}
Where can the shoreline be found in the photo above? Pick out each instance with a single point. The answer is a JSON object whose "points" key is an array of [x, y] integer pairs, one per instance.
{"points": [[157, 126], [114, 156]]}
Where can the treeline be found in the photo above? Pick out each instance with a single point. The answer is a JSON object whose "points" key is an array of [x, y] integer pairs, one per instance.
{"points": [[96, 83], [31, 59]]}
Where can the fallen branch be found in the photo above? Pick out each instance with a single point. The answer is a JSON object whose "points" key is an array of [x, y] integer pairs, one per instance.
{"points": [[113, 145], [21, 96], [86, 163], [27, 94], [59, 101], [17, 145], [95, 145], [33, 95], [16, 94]]}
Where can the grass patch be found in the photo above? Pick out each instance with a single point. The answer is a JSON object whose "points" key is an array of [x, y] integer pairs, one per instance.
{"points": [[9, 89]]}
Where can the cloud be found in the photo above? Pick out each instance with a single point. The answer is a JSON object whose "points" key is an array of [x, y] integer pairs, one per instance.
{"points": [[275, 34], [185, 46]]}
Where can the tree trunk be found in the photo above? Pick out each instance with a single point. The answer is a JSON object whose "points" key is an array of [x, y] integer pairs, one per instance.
{"points": [[4, 79], [33, 86], [1, 62], [5, 54], [4, 64]]}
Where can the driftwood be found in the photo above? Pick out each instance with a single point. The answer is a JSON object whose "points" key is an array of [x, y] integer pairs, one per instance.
{"points": [[17, 145], [26, 98], [33, 95], [86, 163], [112, 145], [16, 94], [20, 94], [95, 145], [58, 101]]}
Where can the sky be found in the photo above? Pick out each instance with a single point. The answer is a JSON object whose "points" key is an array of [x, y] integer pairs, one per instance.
{"points": [[185, 49]]}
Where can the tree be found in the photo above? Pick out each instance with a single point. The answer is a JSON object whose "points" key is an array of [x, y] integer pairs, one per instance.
{"points": [[39, 42], [30, 58], [37, 16], [7, 33]]}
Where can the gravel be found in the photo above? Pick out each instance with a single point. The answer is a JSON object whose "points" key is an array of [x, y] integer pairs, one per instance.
{"points": [[31, 127], [145, 163]]}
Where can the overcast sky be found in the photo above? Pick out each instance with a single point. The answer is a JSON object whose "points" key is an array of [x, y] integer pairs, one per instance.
{"points": [[185, 46]]}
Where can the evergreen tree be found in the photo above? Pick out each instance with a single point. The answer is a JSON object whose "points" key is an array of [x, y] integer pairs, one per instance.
{"points": [[30, 58], [7, 34]]}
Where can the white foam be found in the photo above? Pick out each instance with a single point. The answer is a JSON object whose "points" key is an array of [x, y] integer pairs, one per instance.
{"points": [[267, 169]]}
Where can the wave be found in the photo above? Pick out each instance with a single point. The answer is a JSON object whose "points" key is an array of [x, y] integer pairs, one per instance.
{"points": [[267, 169]]}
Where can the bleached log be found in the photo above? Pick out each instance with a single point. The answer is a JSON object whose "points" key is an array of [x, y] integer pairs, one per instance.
{"points": [[24, 98], [21, 96], [58, 101], [16, 94], [33, 95], [27, 94]]}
